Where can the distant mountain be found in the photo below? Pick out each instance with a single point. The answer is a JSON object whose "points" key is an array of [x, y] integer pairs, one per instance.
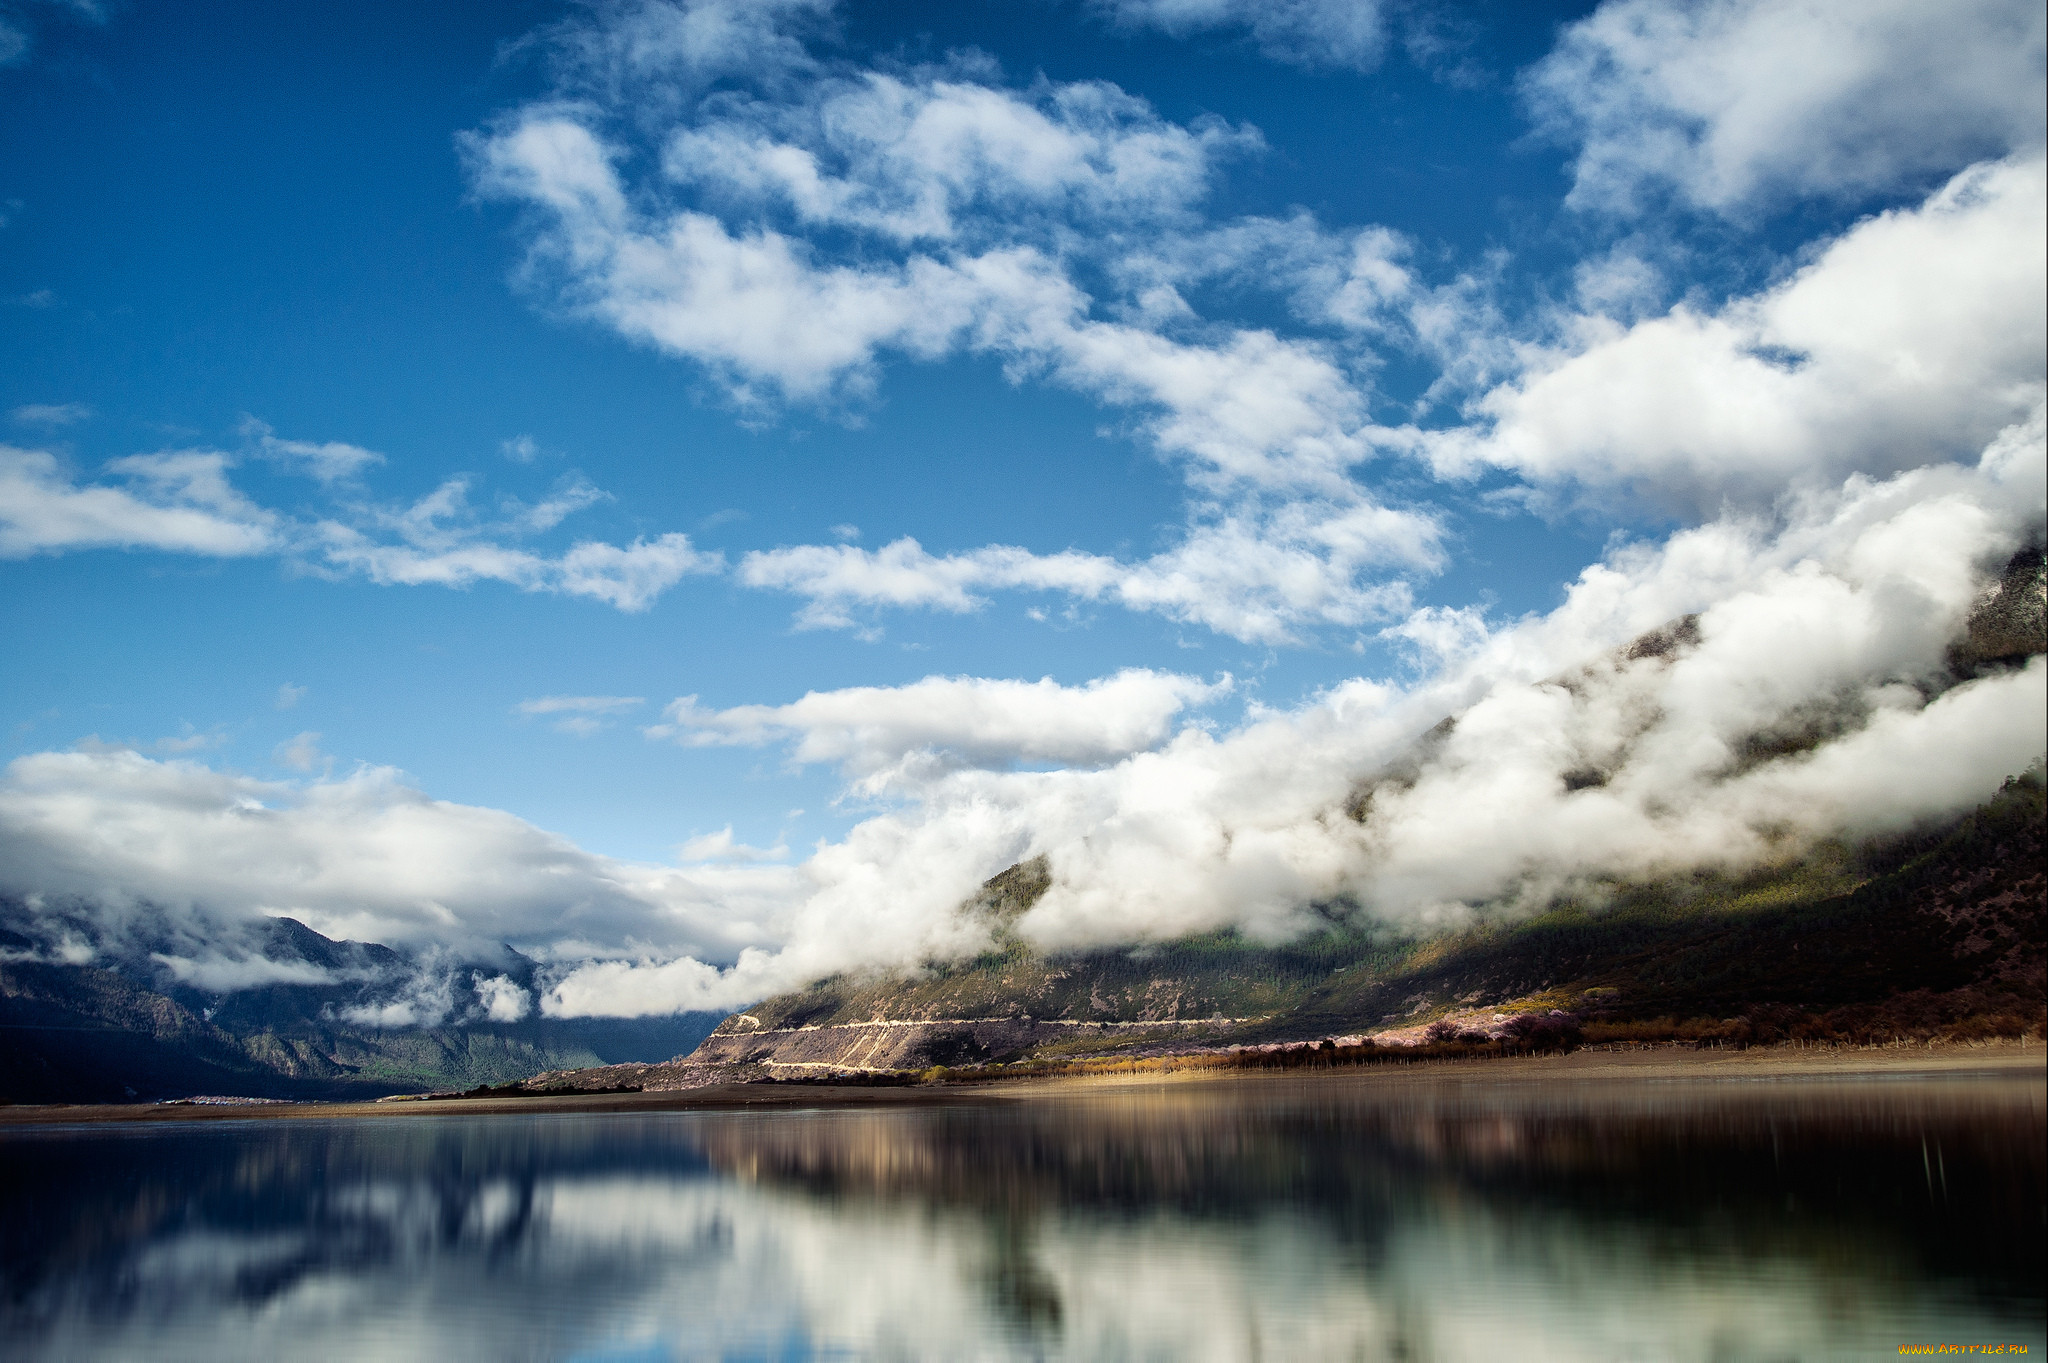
{"points": [[131, 1030], [1946, 932], [1940, 933]]}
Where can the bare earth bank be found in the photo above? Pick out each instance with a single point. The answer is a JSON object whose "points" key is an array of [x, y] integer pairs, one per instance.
{"points": [[1996, 1059]]}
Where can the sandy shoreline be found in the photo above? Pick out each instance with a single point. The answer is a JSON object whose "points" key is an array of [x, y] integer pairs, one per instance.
{"points": [[2015, 1060]]}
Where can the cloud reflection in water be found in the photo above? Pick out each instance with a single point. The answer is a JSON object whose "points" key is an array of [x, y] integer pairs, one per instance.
{"points": [[1280, 1219]]}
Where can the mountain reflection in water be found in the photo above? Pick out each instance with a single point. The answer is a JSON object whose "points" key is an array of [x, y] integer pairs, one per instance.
{"points": [[1307, 1220]]}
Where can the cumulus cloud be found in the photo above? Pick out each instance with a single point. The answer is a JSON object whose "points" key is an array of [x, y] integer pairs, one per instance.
{"points": [[1735, 102], [1915, 335], [440, 539], [570, 496], [177, 503], [973, 720]]}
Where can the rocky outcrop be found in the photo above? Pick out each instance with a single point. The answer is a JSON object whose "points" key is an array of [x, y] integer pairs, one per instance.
{"points": [[888, 1046]]}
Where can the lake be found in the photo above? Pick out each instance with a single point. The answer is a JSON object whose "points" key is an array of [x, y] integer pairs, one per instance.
{"points": [[1453, 1218]]}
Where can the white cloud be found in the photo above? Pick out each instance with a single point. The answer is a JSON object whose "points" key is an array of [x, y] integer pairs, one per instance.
{"points": [[1735, 102], [1311, 33], [1913, 337], [51, 414], [867, 729], [1260, 577], [520, 449], [178, 503], [750, 304], [288, 696], [975, 195], [931, 158], [503, 998], [183, 502], [837, 577], [630, 578], [218, 974]]}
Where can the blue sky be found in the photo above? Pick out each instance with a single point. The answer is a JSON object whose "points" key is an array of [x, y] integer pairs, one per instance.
{"points": [[429, 397], [266, 215]]}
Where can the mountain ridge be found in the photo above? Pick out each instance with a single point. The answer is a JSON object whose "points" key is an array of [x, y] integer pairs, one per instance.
{"points": [[128, 1030]]}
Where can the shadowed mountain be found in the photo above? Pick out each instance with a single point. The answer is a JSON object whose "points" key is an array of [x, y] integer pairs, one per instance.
{"points": [[130, 1030]]}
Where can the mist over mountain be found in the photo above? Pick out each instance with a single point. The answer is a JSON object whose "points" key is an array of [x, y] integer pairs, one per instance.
{"points": [[291, 1014]]}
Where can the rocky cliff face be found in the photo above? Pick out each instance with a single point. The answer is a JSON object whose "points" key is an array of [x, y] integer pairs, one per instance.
{"points": [[893, 1046]]}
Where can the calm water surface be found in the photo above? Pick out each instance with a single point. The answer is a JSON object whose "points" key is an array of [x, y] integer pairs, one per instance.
{"points": [[1432, 1220]]}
